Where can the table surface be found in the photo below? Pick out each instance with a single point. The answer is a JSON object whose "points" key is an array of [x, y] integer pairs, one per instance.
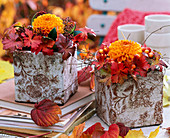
{"points": [[146, 130]]}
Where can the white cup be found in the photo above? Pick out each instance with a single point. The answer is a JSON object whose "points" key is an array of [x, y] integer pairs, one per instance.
{"points": [[134, 32], [156, 21]]}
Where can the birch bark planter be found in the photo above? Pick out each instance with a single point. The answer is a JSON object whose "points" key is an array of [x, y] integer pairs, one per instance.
{"points": [[133, 103], [41, 76]]}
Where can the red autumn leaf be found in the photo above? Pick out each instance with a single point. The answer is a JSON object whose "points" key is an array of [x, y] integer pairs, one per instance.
{"points": [[30, 40], [95, 130], [142, 66], [119, 72], [113, 132], [46, 47], [10, 43], [84, 74], [157, 62], [123, 129], [92, 82], [45, 113], [168, 129], [65, 46], [83, 35]]}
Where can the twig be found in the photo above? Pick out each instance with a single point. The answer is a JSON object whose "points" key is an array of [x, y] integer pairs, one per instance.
{"points": [[154, 32]]}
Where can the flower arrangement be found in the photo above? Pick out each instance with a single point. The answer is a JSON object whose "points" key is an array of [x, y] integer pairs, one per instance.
{"points": [[121, 59], [47, 33]]}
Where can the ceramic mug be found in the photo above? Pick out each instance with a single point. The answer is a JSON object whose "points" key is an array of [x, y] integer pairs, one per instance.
{"points": [[156, 21], [134, 32]]}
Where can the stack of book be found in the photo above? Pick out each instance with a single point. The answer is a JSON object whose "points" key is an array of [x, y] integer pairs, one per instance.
{"points": [[15, 116]]}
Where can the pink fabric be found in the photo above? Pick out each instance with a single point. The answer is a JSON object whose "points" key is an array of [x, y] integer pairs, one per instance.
{"points": [[127, 16]]}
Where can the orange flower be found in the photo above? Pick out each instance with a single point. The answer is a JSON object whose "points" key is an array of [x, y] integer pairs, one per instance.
{"points": [[124, 50], [47, 22]]}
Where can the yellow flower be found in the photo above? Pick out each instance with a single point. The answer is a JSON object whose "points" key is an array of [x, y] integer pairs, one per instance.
{"points": [[124, 50], [47, 22]]}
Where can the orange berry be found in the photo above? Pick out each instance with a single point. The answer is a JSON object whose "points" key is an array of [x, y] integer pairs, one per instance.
{"points": [[100, 51], [150, 55], [146, 51], [105, 49], [133, 66]]}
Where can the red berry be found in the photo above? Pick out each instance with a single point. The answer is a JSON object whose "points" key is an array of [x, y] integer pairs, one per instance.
{"points": [[148, 48], [143, 49]]}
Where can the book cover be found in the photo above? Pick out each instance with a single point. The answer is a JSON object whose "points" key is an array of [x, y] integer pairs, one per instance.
{"points": [[79, 99], [85, 116], [16, 116], [31, 126]]}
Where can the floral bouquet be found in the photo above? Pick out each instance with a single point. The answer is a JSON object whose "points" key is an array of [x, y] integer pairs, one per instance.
{"points": [[45, 57], [129, 84]]}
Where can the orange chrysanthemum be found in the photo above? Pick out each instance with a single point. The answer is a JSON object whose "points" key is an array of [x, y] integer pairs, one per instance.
{"points": [[124, 50], [47, 22]]}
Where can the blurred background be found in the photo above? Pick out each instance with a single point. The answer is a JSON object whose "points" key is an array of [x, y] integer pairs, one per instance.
{"points": [[12, 11]]}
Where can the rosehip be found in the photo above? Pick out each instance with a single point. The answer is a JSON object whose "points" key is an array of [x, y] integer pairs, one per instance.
{"points": [[133, 66], [105, 49], [150, 55], [146, 51], [143, 49], [100, 51], [148, 48]]}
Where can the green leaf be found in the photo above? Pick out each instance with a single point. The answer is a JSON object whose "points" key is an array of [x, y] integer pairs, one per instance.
{"points": [[77, 32], [33, 18], [72, 31], [53, 34]]}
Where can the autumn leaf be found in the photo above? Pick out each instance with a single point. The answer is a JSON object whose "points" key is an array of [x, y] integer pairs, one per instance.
{"points": [[142, 66], [10, 43], [82, 35], [92, 82], [113, 132], [153, 134], [30, 40], [135, 134], [86, 53], [95, 131], [168, 129], [123, 129], [46, 47], [119, 72], [6, 71], [45, 113], [84, 74], [65, 46], [77, 132]]}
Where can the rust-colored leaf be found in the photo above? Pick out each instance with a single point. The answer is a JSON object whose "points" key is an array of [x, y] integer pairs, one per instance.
{"points": [[113, 132], [84, 74], [92, 82], [95, 131], [45, 113], [168, 129], [123, 129], [78, 130]]}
